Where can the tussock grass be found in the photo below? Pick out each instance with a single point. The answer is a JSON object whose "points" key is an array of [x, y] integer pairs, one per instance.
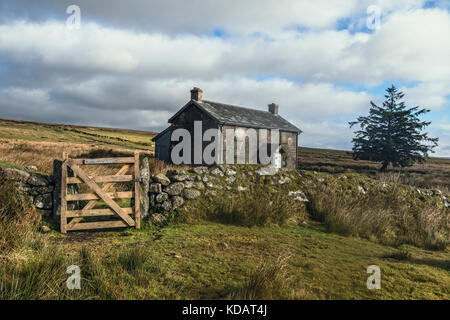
{"points": [[387, 216], [42, 277], [182, 265], [157, 166], [132, 259], [17, 217], [268, 280], [259, 206]]}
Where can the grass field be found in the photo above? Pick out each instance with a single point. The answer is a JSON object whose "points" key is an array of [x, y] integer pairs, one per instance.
{"points": [[216, 261], [93, 136], [434, 173], [30, 143], [207, 260]]}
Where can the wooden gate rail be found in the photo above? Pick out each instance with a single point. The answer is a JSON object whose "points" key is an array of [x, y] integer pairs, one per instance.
{"points": [[100, 193]]}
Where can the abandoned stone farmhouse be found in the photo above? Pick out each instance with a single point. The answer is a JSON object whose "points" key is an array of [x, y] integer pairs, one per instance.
{"points": [[225, 117]]}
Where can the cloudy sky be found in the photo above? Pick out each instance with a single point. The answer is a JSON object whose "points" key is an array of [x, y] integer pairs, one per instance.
{"points": [[132, 63]]}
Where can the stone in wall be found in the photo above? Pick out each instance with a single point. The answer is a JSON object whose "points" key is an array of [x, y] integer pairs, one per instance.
{"points": [[191, 194], [174, 189], [161, 197], [155, 188], [145, 175], [162, 179]]}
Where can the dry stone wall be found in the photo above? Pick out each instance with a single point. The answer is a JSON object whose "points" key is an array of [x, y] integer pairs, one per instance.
{"points": [[172, 191], [40, 188], [163, 194]]}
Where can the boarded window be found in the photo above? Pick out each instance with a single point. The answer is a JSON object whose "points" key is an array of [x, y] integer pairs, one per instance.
{"points": [[284, 137]]}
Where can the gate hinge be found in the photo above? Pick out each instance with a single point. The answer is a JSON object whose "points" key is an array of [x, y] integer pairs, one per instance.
{"points": [[140, 180]]}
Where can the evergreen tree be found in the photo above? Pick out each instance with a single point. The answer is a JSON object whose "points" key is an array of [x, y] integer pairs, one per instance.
{"points": [[392, 134]]}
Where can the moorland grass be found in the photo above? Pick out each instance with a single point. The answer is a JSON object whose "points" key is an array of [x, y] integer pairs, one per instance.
{"points": [[17, 217], [391, 216], [188, 261]]}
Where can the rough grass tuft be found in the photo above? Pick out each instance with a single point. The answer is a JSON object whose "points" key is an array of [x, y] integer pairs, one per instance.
{"points": [[269, 280], [384, 215], [132, 259], [17, 216], [256, 207]]}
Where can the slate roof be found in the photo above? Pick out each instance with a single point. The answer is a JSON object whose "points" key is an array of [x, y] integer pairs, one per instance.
{"points": [[245, 117], [238, 116]]}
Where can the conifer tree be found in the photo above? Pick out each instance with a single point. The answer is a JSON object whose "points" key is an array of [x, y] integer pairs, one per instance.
{"points": [[393, 133]]}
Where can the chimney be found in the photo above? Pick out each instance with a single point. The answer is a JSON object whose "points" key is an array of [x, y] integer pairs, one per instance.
{"points": [[273, 108], [196, 94]]}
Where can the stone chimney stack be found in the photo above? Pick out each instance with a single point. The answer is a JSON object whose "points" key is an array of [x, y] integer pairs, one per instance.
{"points": [[196, 94], [273, 108]]}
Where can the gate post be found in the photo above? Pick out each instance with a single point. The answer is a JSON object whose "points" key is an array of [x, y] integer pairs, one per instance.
{"points": [[137, 190], [63, 220]]}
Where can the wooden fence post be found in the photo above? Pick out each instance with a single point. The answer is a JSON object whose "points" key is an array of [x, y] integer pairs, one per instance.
{"points": [[137, 193], [63, 222]]}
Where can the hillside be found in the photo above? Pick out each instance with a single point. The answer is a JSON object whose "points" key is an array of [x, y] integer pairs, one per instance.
{"points": [[25, 143], [434, 173], [100, 137]]}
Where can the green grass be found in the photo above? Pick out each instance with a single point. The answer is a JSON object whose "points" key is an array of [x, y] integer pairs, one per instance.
{"points": [[10, 165], [191, 262]]}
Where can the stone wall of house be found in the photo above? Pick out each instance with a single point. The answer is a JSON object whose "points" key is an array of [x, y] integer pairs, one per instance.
{"points": [[287, 141]]}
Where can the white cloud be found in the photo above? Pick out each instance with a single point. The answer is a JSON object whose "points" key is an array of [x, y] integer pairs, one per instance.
{"points": [[412, 46], [199, 16], [441, 129], [430, 95]]}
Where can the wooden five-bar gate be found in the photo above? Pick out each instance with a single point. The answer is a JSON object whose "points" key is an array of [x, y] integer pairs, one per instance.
{"points": [[72, 220]]}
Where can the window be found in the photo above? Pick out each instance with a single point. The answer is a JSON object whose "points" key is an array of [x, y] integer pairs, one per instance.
{"points": [[284, 137]]}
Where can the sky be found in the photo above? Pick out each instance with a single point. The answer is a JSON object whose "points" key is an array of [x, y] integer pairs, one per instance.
{"points": [[131, 64]]}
